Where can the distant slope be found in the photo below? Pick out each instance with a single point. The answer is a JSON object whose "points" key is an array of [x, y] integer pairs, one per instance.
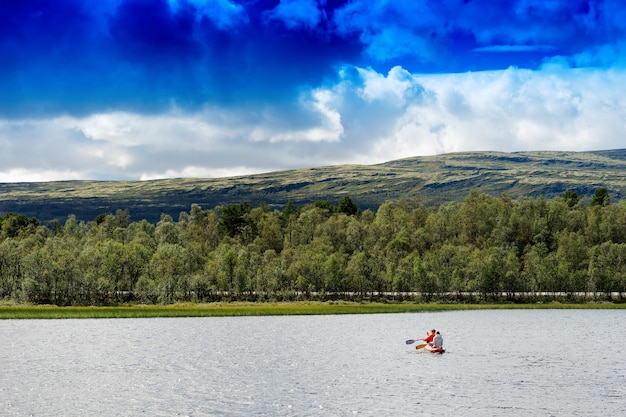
{"points": [[434, 179]]}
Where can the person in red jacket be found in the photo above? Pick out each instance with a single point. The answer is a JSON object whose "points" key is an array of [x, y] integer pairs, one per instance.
{"points": [[429, 338]]}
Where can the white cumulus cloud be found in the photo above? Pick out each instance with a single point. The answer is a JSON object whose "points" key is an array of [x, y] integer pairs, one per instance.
{"points": [[364, 117]]}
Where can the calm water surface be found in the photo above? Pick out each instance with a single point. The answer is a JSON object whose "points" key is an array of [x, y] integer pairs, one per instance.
{"points": [[513, 363]]}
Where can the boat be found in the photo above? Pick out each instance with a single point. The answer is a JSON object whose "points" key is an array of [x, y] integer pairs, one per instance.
{"points": [[434, 349]]}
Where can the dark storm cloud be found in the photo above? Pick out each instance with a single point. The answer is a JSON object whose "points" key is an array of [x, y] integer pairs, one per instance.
{"points": [[76, 57], [63, 56]]}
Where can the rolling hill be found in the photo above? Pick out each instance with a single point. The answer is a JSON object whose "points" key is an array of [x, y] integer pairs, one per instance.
{"points": [[433, 179]]}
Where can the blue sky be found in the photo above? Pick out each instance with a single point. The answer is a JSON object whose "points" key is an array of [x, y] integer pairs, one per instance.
{"points": [[143, 89]]}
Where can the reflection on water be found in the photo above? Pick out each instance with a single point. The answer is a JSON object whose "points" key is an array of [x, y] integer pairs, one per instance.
{"points": [[514, 363]]}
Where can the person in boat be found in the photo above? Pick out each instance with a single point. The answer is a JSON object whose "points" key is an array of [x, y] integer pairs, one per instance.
{"points": [[429, 337], [438, 341]]}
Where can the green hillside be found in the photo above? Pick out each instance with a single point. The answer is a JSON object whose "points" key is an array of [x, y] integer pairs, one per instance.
{"points": [[433, 179]]}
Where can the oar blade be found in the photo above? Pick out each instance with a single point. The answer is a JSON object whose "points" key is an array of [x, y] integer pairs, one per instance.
{"points": [[410, 342], [418, 347]]}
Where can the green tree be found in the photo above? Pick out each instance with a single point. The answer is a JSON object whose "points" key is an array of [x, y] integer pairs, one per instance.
{"points": [[335, 274], [167, 232], [143, 233], [306, 226], [442, 225], [404, 278], [426, 280], [14, 224], [446, 267], [600, 197], [335, 231], [96, 288], [270, 233], [540, 269], [38, 277], [356, 234], [169, 267], [266, 282], [359, 273], [307, 268], [392, 221], [11, 253], [607, 267], [347, 206], [511, 272], [121, 266], [476, 219], [235, 221], [571, 198], [324, 205], [573, 261], [288, 220], [228, 261], [496, 268]]}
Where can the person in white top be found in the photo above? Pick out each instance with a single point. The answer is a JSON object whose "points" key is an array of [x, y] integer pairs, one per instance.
{"points": [[438, 340]]}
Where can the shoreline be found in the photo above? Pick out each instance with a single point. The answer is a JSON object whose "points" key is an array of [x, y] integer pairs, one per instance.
{"points": [[10, 312]]}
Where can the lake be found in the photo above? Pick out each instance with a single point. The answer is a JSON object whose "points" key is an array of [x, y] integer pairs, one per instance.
{"points": [[498, 362]]}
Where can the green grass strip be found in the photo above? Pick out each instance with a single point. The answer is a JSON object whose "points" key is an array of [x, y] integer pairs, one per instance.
{"points": [[262, 309]]}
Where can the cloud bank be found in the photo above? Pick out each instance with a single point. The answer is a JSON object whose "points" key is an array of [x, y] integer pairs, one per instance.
{"points": [[137, 89]]}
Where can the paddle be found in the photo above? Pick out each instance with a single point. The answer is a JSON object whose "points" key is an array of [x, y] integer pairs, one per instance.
{"points": [[411, 341]]}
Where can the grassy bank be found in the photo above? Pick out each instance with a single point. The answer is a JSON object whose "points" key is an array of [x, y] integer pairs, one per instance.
{"points": [[261, 309]]}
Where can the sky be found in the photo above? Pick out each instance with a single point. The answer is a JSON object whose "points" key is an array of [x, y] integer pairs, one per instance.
{"points": [[148, 89]]}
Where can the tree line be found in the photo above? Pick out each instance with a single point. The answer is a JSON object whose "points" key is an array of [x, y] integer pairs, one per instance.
{"points": [[483, 247]]}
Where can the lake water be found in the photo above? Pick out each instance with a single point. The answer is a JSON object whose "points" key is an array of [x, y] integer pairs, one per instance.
{"points": [[513, 363]]}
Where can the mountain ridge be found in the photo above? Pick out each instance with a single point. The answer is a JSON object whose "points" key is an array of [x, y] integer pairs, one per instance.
{"points": [[432, 179]]}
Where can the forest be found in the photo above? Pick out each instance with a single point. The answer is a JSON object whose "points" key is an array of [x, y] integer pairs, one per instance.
{"points": [[481, 248]]}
